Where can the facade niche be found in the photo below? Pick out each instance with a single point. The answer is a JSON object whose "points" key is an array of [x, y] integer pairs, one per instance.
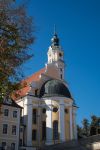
{"points": [[44, 130], [34, 116], [55, 130]]}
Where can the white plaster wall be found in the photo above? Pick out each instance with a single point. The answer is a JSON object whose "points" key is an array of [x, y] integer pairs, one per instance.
{"points": [[96, 146]]}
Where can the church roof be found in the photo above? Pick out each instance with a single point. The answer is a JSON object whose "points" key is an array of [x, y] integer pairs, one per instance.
{"points": [[26, 84], [21, 93], [34, 77], [54, 88]]}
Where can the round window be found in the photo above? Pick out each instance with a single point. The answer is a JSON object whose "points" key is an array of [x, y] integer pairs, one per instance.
{"points": [[55, 109]]}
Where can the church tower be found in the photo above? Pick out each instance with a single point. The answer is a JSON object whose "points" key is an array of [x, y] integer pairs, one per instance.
{"points": [[55, 55]]}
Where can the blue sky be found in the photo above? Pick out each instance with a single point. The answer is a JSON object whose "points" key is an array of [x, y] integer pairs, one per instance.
{"points": [[78, 27]]}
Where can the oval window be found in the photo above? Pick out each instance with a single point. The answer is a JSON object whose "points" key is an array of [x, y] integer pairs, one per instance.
{"points": [[55, 109]]}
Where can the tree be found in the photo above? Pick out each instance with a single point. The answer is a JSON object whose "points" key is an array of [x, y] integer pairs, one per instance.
{"points": [[79, 132], [86, 127], [89, 129], [95, 125], [16, 37]]}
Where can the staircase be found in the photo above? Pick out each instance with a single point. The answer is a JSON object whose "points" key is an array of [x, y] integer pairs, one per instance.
{"points": [[71, 145], [90, 143]]}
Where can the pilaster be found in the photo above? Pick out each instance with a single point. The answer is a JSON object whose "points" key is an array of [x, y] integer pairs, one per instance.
{"points": [[71, 127], [62, 121], [75, 126], [49, 134], [28, 115]]}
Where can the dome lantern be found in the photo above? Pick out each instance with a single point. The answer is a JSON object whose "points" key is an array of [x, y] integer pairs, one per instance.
{"points": [[55, 40]]}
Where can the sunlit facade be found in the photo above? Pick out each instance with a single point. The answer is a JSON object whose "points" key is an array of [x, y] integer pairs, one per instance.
{"points": [[49, 110]]}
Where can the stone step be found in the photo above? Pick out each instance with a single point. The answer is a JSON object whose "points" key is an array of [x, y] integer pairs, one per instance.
{"points": [[64, 146], [83, 144]]}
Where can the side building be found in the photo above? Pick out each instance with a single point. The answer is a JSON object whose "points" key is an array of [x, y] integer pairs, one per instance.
{"points": [[9, 125]]}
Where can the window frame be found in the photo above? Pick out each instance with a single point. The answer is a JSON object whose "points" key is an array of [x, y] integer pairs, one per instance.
{"points": [[43, 130], [55, 130], [3, 145], [36, 92], [5, 129], [66, 110], [34, 116], [61, 70], [6, 112], [13, 148], [14, 129], [61, 76], [34, 135], [15, 113]]}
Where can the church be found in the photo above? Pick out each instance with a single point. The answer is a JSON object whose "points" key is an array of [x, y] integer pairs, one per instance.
{"points": [[49, 110]]}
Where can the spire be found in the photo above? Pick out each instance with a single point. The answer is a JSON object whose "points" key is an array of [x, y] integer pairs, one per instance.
{"points": [[54, 29], [55, 39]]}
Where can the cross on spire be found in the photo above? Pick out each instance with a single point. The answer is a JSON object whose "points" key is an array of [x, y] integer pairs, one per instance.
{"points": [[54, 29]]}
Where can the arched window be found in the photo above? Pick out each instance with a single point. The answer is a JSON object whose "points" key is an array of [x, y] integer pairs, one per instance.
{"points": [[43, 130], [55, 130], [36, 92], [3, 145], [34, 135], [66, 110], [61, 76], [12, 146]]}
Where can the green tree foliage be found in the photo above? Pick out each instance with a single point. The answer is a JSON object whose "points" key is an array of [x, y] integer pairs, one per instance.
{"points": [[79, 131], [95, 125], [89, 129], [16, 37], [86, 127]]}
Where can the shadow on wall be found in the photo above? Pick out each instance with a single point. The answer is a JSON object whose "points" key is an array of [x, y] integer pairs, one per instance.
{"points": [[49, 135]]}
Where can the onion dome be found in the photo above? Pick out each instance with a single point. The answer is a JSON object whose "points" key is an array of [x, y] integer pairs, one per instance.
{"points": [[54, 88], [55, 40]]}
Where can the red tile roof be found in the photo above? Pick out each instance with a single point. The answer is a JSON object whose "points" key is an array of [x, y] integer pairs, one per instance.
{"points": [[25, 83], [34, 77], [20, 93]]}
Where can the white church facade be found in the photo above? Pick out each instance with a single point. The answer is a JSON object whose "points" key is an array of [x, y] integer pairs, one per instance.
{"points": [[49, 110]]}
